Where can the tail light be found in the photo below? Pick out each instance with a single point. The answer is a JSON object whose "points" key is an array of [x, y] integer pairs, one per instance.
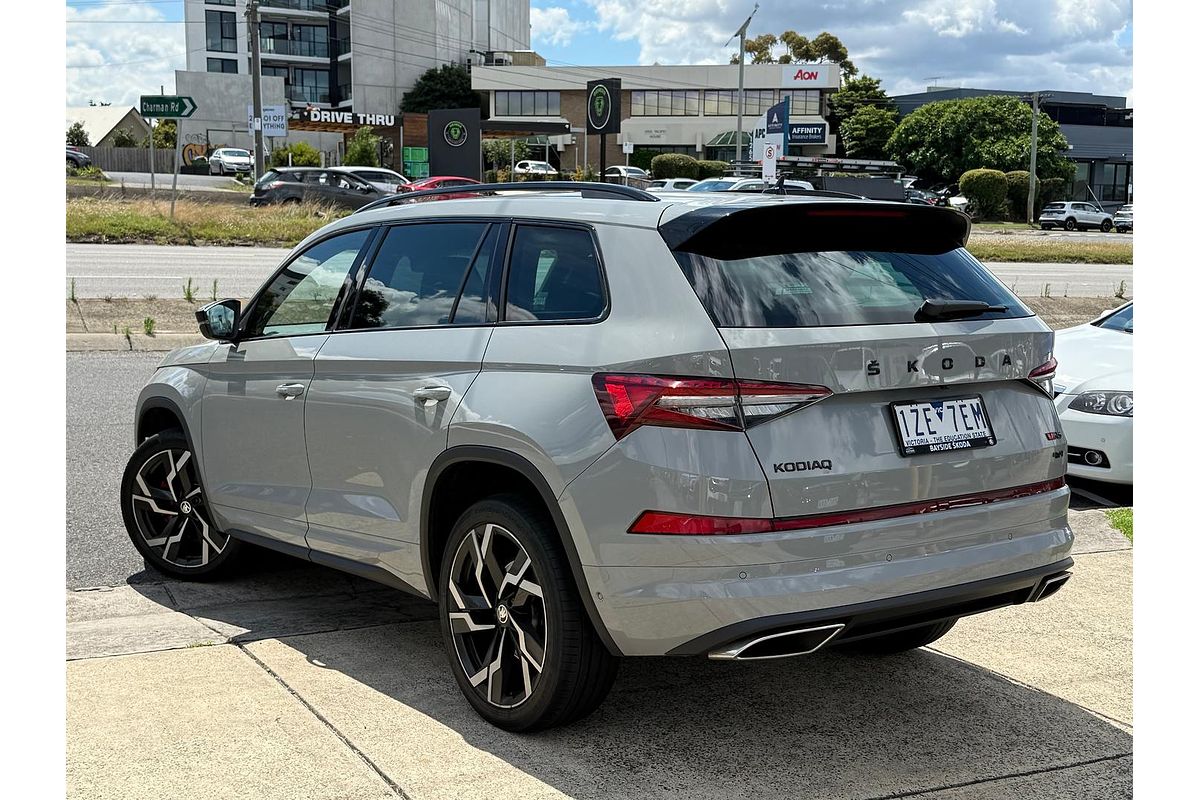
{"points": [[630, 401], [1043, 376]]}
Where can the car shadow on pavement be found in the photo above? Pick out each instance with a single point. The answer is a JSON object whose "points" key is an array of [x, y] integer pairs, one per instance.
{"points": [[370, 661]]}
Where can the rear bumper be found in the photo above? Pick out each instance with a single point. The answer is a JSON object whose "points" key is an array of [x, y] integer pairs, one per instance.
{"points": [[879, 617]]}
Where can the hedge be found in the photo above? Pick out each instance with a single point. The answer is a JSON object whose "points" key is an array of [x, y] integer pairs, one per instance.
{"points": [[987, 189], [711, 169], [641, 159], [674, 165], [1018, 193]]}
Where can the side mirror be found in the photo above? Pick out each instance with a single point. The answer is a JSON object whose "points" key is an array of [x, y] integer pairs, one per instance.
{"points": [[219, 320]]}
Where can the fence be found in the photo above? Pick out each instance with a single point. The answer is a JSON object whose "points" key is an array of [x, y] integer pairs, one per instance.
{"points": [[130, 159]]}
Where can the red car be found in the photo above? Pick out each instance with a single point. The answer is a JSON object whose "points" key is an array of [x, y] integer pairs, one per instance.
{"points": [[441, 182]]}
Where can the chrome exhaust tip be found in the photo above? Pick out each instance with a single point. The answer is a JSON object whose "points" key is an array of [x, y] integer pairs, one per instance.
{"points": [[1092, 458], [782, 644], [1049, 587]]}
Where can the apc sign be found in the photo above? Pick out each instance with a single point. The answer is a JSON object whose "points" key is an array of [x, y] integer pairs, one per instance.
{"points": [[810, 76]]}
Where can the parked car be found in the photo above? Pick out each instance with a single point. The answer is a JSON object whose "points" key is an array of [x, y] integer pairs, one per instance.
{"points": [[77, 158], [442, 182], [1072, 216], [733, 184], [1094, 395], [224, 160], [385, 180], [624, 173], [1123, 219], [670, 185], [534, 168], [920, 197], [606, 426], [332, 186]]}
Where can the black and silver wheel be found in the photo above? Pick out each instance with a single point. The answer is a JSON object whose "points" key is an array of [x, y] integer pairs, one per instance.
{"points": [[519, 642], [1106, 226], [166, 512], [1069, 225]]}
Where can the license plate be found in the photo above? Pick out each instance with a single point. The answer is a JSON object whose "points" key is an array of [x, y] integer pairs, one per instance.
{"points": [[937, 426]]}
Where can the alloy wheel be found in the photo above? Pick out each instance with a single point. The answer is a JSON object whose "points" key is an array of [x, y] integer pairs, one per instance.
{"points": [[170, 511], [497, 616]]}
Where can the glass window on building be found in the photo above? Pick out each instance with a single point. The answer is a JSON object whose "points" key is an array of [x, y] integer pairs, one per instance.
{"points": [[222, 65], [1114, 183], [310, 85], [1079, 186], [804, 102], [220, 28], [310, 40], [663, 103], [527, 104]]}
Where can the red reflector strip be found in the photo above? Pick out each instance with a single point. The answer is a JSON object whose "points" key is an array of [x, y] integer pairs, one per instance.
{"points": [[667, 523]]}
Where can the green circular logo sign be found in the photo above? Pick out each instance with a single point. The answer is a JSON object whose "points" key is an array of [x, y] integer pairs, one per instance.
{"points": [[455, 133], [599, 107]]}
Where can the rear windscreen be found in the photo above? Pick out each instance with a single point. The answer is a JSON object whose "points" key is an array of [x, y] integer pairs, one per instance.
{"points": [[828, 288]]}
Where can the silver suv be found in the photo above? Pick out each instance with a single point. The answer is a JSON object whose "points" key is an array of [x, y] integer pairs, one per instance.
{"points": [[596, 423]]}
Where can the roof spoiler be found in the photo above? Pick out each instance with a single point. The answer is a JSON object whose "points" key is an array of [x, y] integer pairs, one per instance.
{"points": [[606, 191]]}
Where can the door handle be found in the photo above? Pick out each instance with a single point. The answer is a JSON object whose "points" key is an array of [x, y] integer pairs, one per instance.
{"points": [[289, 390], [432, 393]]}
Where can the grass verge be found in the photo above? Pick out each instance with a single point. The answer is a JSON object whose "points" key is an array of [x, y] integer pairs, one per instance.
{"points": [[102, 219], [1054, 251], [1122, 520]]}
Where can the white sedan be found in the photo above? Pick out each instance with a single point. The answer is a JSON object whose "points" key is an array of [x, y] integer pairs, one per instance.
{"points": [[534, 168], [229, 159], [1093, 391]]}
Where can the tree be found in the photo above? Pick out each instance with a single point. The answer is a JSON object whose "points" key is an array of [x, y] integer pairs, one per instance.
{"points": [[824, 47], [446, 87], [940, 141], [164, 135], [363, 150], [866, 132], [303, 155], [77, 136], [123, 138], [496, 152], [855, 93]]}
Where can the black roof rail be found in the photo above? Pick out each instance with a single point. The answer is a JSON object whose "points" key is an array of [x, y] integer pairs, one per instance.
{"points": [[607, 191]]}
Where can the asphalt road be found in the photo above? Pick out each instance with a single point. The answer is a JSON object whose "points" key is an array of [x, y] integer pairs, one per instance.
{"points": [[161, 181], [102, 389], [131, 270]]}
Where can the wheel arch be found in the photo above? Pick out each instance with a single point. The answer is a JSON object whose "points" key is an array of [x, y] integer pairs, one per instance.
{"points": [[157, 414], [437, 517]]}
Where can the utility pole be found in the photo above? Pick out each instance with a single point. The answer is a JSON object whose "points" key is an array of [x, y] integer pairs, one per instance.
{"points": [[1032, 164], [741, 99], [256, 89]]}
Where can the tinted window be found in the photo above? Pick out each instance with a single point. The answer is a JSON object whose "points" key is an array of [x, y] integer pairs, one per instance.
{"points": [[554, 274], [472, 307], [1120, 321], [797, 290], [301, 298], [416, 275]]}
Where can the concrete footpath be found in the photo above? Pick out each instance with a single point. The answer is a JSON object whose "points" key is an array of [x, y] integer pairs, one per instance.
{"points": [[301, 682]]}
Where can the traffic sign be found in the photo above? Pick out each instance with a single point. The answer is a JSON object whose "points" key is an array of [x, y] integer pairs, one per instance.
{"points": [[167, 105]]}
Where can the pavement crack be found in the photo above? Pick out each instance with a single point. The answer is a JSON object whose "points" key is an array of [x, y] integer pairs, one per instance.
{"points": [[395, 787], [1022, 774]]}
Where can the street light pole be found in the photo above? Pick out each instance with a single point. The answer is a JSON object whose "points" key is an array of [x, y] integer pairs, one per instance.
{"points": [[256, 89], [1032, 164], [741, 101]]}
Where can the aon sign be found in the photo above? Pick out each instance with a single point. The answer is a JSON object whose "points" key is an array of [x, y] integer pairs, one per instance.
{"points": [[809, 76]]}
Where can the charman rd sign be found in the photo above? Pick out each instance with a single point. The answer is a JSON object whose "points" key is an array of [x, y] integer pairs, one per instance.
{"points": [[346, 117], [163, 106]]}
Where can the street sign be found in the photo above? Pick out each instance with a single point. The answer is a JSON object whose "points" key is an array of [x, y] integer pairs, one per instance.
{"points": [[626, 147], [770, 154], [167, 105]]}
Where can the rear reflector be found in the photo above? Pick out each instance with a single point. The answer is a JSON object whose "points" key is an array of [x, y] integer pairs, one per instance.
{"points": [[629, 401], [668, 523]]}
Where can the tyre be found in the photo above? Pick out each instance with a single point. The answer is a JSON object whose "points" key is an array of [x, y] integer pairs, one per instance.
{"points": [[166, 513], [1069, 224], [519, 642], [901, 641], [1106, 226]]}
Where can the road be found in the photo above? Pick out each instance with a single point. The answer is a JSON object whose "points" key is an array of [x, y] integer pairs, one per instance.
{"points": [[163, 181], [130, 270]]}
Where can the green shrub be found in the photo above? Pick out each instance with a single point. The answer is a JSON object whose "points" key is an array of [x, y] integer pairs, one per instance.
{"points": [[489, 176], [362, 149], [641, 158], [1018, 193], [674, 165], [711, 169], [987, 189], [303, 155]]}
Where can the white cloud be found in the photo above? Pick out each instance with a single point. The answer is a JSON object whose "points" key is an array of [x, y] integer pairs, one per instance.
{"points": [[114, 63], [554, 26]]}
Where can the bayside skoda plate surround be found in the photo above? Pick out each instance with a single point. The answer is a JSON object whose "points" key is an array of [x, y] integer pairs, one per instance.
{"points": [[963, 436]]}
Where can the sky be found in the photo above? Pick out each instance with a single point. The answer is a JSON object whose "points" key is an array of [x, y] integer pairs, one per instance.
{"points": [[118, 49]]}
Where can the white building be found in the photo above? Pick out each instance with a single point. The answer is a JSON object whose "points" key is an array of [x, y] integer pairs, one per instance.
{"points": [[688, 109]]}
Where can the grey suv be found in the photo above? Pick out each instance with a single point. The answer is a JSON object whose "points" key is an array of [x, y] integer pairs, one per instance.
{"points": [[596, 423]]}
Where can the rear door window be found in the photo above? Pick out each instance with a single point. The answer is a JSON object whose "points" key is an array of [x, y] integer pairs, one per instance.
{"points": [[416, 276], [817, 289], [554, 275]]}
